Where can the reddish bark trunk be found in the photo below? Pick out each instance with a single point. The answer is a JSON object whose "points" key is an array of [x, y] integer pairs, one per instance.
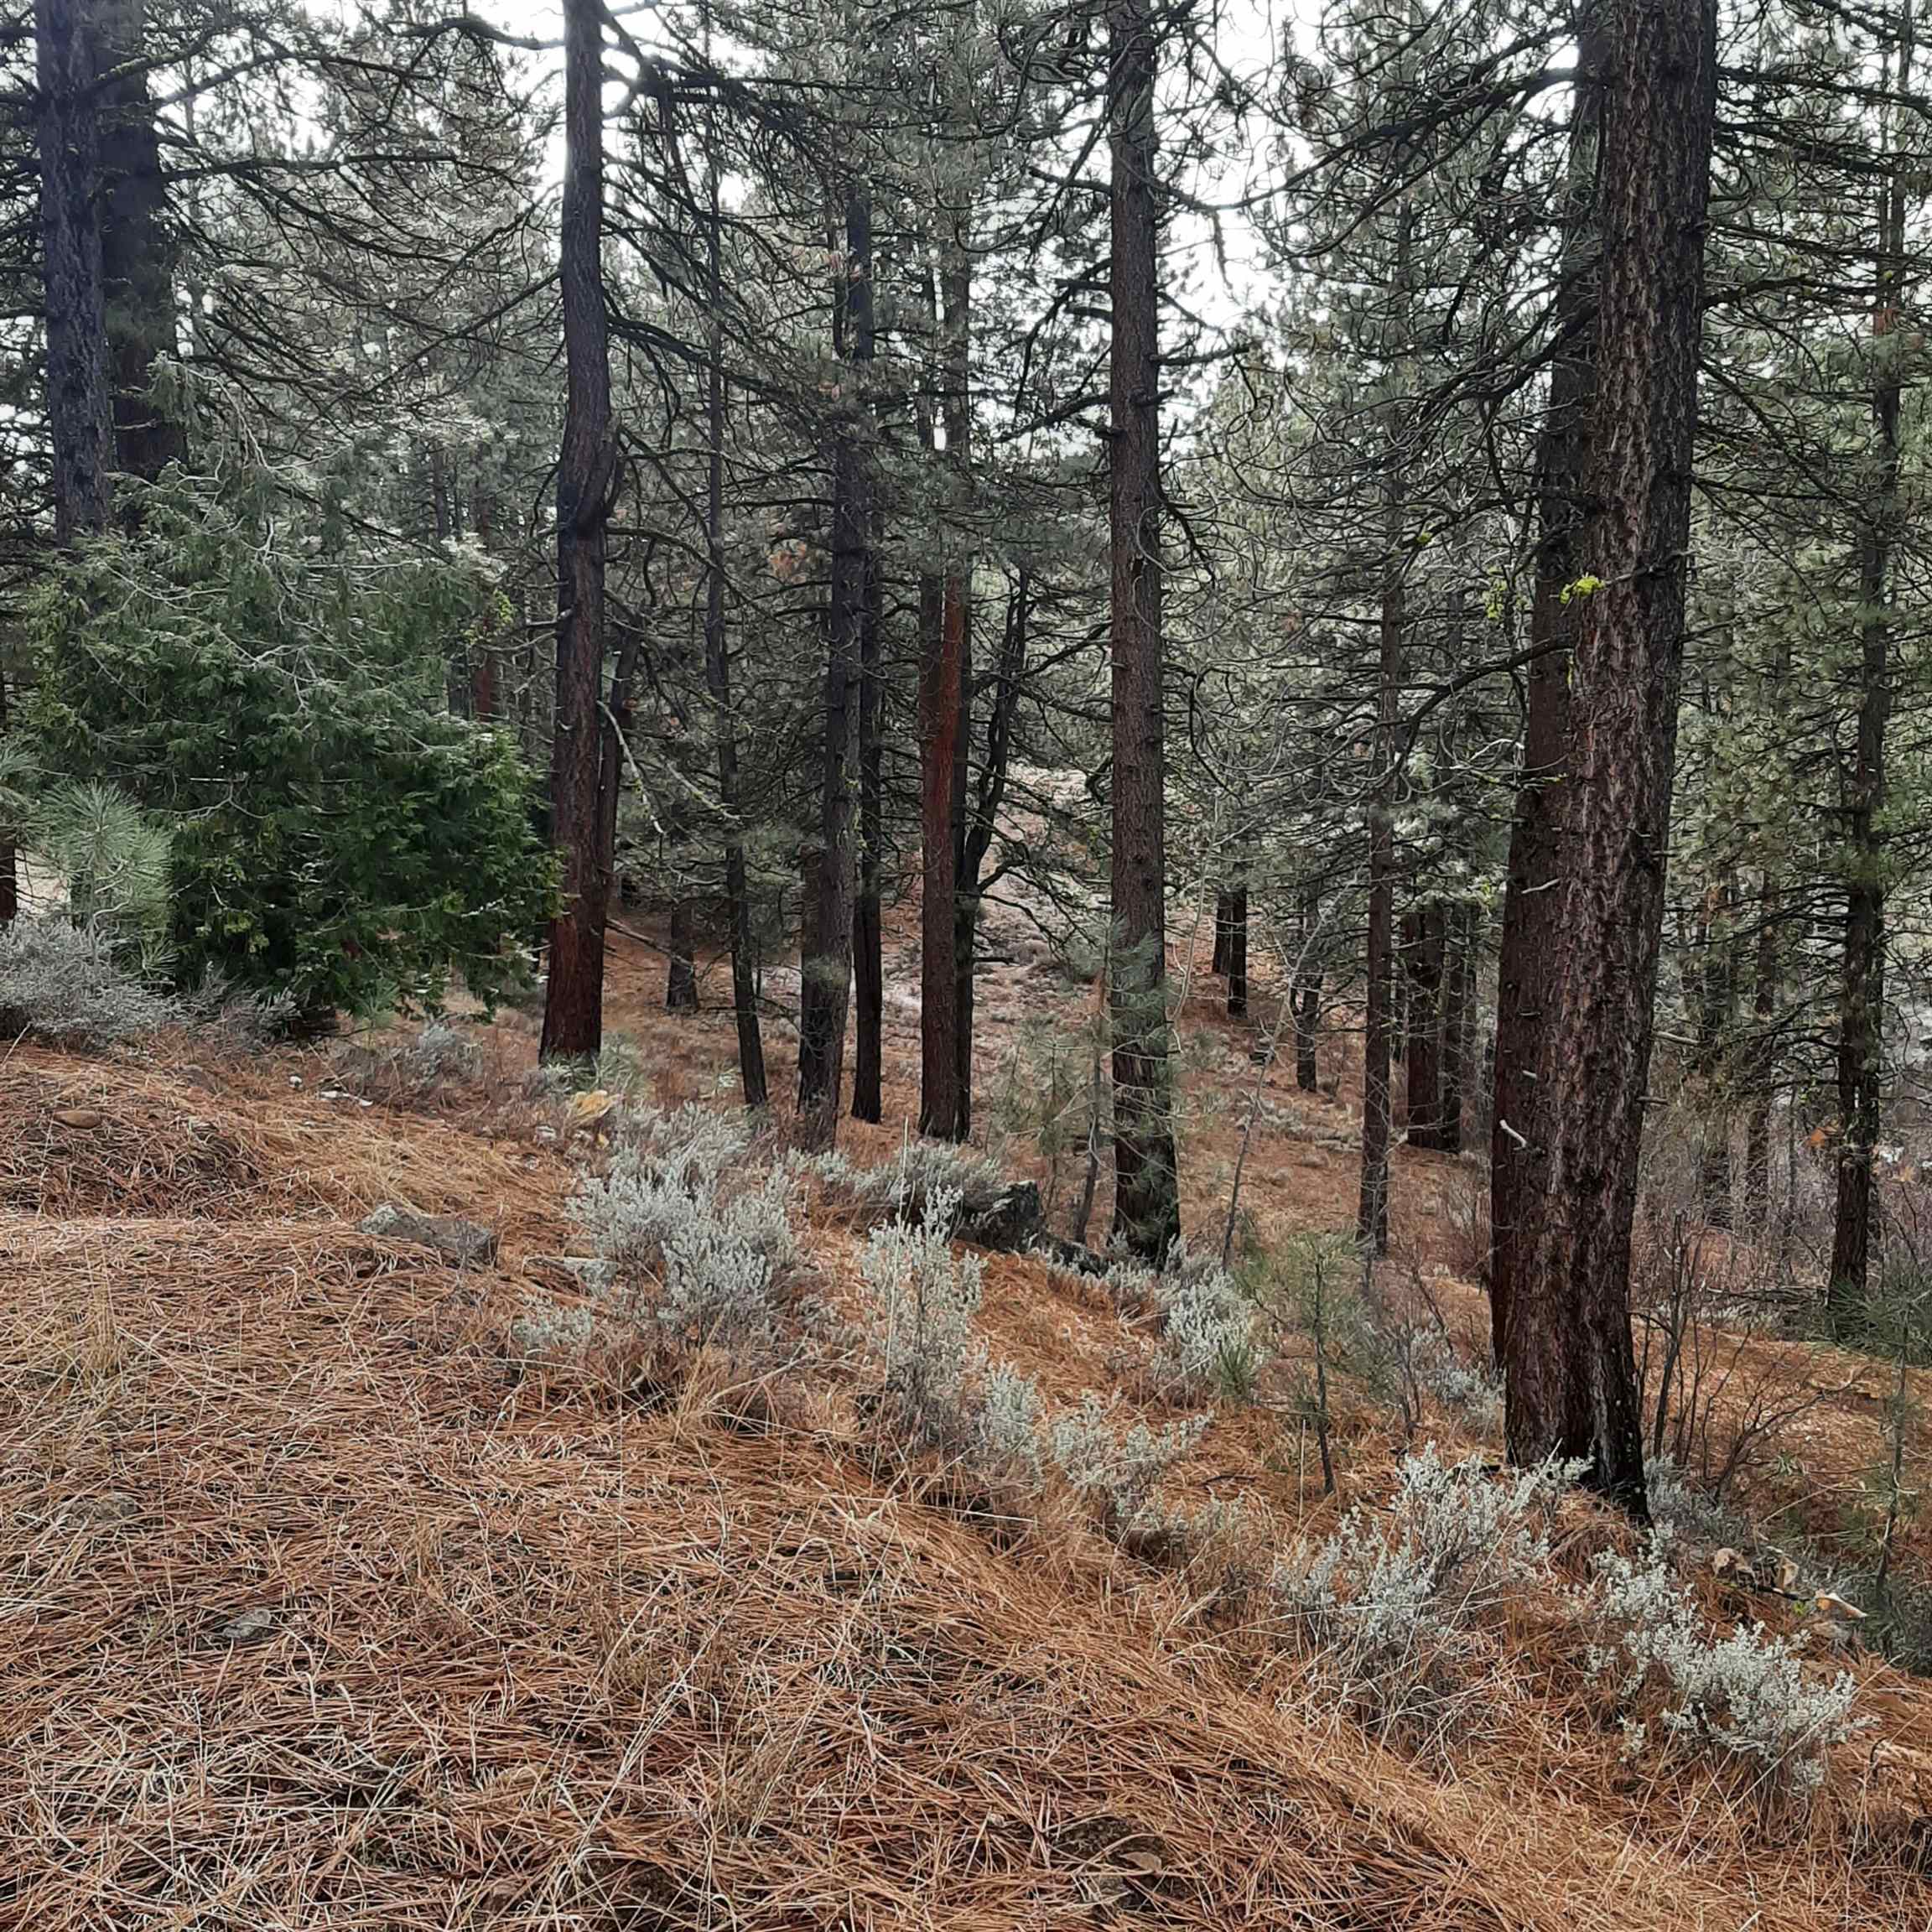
{"points": [[1570, 1377], [583, 794]]}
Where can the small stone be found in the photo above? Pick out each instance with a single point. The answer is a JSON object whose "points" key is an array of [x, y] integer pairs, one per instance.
{"points": [[82, 1119], [251, 1627], [468, 1243]]}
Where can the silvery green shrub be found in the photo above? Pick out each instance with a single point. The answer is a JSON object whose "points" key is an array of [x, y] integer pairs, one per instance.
{"points": [[1389, 1611], [1746, 1697]]}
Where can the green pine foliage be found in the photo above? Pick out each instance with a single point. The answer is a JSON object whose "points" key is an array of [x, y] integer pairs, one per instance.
{"points": [[278, 702]]}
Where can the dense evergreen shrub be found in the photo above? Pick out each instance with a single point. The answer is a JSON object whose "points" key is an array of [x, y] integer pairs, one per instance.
{"points": [[279, 702]]}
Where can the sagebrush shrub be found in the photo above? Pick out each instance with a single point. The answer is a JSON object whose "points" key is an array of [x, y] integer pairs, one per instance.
{"points": [[1473, 1389], [681, 1244], [63, 983], [1117, 1472], [1390, 1612], [926, 1178], [411, 1064], [1209, 1340], [1006, 1426], [1746, 1697], [923, 1298]]}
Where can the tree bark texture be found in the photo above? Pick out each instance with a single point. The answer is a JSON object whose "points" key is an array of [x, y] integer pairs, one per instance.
{"points": [[825, 982], [1569, 1375], [587, 477], [1146, 1181], [1532, 905]]}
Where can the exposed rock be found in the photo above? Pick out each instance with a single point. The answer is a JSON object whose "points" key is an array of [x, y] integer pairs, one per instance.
{"points": [[1074, 1255], [468, 1243], [1009, 1221]]}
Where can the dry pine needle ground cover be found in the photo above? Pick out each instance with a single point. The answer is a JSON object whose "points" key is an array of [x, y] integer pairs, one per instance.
{"points": [[318, 1609]]}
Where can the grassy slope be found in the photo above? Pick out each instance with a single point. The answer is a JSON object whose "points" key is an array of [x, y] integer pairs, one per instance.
{"points": [[316, 1612]]}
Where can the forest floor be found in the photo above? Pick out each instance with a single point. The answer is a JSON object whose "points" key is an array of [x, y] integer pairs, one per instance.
{"points": [[321, 1607]]}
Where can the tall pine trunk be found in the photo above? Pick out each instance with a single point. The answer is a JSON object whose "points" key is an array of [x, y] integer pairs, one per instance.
{"points": [[751, 1078], [1861, 985], [1569, 1376], [982, 821], [1532, 905], [945, 715], [1146, 1182], [1379, 1022], [582, 792], [1237, 957], [78, 419], [825, 981], [1458, 1009], [868, 923], [136, 251], [1305, 995]]}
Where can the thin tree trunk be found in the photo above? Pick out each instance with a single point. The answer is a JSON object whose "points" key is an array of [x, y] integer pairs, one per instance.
{"points": [[1146, 1181], [1223, 900], [79, 419], [966, 894], [982, 823], [1378, 1032], [868, 935], [1570, 1374], [944, 715], [940, 641], [825, 984], [1424, 959], [1237, 966], [1862, 991], [1459, 1003], [751, 1078], [1306, 993], [9, 855], [1532, 905], [581, 792], [1763, 1056], [681, 978]]}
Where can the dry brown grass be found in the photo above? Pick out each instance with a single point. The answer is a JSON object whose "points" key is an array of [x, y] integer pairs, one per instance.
{"points": [[318, 1609]]}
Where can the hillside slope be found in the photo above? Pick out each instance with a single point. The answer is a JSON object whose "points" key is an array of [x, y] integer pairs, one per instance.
{"points": [[323, 1608]]}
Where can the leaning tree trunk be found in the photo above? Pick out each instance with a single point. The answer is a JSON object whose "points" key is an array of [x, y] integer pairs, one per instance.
{"points": [[79, 419], [1861, 986], [1146, 1180], [581, 792], [1532, 904], [136, 251], [1569, 1376], [824, 993]]}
